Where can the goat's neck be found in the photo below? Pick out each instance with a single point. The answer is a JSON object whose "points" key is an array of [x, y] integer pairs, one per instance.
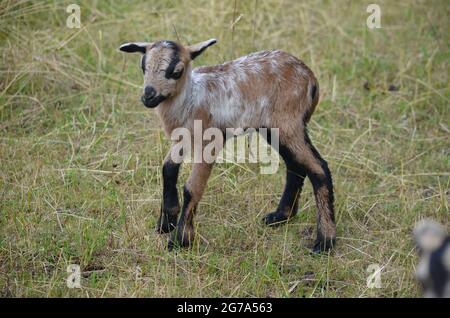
{"points": [[174, 112]]}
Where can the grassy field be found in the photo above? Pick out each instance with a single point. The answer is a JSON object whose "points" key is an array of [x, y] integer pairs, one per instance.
{"points": [[80, 177]]}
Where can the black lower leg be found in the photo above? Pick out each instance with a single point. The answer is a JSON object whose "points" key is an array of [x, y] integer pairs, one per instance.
{"points": [[184, 232], [170, 205], [295, 177]]}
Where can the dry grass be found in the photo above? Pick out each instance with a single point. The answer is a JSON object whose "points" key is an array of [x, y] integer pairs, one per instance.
{"points": [[80, 179]]}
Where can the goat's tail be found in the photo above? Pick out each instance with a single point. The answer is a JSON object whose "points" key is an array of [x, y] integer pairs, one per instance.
{"points": [[313, 98]]}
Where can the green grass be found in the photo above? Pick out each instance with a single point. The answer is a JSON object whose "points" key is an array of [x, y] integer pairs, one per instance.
{"points": [[80, 177]]}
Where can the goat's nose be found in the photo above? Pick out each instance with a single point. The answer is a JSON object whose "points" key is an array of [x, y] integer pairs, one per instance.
{"points": [[149, 92]]}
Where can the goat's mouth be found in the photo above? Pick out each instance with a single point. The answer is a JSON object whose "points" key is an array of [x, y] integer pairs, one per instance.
{"points": [[152, 102]]}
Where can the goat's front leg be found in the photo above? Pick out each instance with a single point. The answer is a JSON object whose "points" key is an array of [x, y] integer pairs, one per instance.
{"points": [[170, 205], [193, 191]]}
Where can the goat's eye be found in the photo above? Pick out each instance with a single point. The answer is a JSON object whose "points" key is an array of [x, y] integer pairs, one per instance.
{"points": [[177, 74]]}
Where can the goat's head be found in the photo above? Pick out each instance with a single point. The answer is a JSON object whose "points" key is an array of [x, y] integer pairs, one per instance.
{"points": [[165, 65]]}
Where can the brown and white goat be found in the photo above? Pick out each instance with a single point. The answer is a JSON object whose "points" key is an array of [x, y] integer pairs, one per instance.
{"points": [[269, 89]]}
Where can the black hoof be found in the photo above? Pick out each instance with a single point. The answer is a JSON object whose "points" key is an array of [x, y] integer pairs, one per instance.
{"points": [[166, 223], [323, 245], [275, 219], [172, 245], [177, 244], [178, 240]]}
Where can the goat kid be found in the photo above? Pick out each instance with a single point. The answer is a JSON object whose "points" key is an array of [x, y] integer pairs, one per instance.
{"points": [[268, 89]]}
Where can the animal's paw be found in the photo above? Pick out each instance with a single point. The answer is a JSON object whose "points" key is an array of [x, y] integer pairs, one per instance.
{"points": [[275, 218], [323, 245]]}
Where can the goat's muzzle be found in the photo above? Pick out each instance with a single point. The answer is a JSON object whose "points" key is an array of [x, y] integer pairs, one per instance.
{"points": [[150, 99]]}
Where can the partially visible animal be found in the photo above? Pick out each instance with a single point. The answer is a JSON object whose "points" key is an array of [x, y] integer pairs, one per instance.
{"points": [[433, 270], [268, 89]]}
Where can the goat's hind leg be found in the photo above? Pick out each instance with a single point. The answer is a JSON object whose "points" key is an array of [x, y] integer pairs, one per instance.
{"points": [[295, 177], [320, 176]]}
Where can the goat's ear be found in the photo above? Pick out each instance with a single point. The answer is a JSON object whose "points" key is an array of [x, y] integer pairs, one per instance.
{"points": [[197, 49], [133, 47], [428, 235]]}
